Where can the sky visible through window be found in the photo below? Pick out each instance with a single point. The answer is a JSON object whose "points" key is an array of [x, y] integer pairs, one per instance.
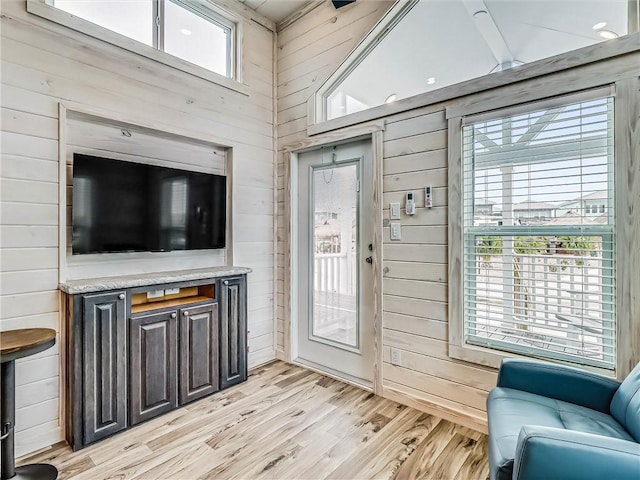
{"points": [[132, 18], [186, 35]]}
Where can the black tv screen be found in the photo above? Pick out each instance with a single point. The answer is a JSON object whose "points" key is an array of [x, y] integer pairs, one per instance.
{"points": [[121, 206]]}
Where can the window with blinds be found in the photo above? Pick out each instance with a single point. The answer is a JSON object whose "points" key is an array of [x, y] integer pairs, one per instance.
{"points": [[538, 230]]}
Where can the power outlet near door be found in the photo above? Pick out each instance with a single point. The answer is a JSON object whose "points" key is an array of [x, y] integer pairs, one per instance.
{"points": [[395, 356]]}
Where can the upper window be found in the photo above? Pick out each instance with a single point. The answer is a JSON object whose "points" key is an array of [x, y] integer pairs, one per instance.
{"points": [[186, 29], [426, 45], [539, 267]]}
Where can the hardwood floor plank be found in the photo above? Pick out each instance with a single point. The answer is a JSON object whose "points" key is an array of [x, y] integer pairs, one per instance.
{"points": [[379, 459], [451, 458], [284, 422], [418, 464], [179, 464], [123, 466], [259, 457], [476, 467]]}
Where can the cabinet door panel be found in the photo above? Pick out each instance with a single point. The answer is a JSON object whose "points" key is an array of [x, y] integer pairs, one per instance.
{"points": [[198, 352], [154, 365], [233, 331], [105, 365]]}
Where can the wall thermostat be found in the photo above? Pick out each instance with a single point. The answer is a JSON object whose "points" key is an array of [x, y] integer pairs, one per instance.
{"points": [[428, 197], [410, 208]]}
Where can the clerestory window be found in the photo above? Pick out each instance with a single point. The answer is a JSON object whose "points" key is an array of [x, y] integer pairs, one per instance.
{"points": [[191, 30], [423, 46]]}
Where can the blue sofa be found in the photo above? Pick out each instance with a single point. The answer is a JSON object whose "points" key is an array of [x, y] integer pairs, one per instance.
{"points": [[550, 422]]}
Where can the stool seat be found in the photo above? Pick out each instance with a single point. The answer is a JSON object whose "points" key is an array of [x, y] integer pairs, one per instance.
{"points": [[16, 344]]}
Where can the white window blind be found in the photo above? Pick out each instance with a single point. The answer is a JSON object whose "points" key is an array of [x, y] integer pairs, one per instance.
{"points": [[538, 227]]}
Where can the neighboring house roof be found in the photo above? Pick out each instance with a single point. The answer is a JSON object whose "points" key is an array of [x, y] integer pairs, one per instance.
{"points": [[533, 206], [571, 218], [599, 195]]}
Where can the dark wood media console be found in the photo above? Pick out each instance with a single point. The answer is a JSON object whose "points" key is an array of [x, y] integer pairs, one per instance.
{"points": [[136, 352]]}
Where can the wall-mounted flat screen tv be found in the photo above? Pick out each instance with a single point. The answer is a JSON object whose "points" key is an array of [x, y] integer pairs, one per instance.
{"points": [[121, 206]]}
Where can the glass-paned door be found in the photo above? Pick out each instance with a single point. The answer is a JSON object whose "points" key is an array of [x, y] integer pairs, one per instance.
{"points": [[335, 293]]}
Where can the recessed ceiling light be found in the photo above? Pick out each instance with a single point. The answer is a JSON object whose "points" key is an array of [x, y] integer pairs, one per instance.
{"points": [[607, 34], [391, 98], [185, 31], [599, 25], [431, 80]]}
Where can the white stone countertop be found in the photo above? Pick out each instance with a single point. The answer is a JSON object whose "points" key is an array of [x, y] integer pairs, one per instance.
{"points": [[142, 280]]}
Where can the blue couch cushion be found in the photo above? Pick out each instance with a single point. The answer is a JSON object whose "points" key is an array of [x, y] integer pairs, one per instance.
{"points": [[509, 410], [625, 406]]}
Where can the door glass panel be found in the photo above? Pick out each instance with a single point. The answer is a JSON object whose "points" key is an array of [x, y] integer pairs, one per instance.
{"points": [[334, 251]]}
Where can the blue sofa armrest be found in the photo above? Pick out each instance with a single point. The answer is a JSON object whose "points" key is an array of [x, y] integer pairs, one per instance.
{"points": [[559, 382], [544, 453]]}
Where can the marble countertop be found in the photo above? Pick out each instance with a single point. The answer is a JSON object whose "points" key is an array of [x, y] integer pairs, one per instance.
{"points": [[142, 280]]}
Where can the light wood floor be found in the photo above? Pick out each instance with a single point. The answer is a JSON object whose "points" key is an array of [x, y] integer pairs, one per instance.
{"points": [[284, 422]]}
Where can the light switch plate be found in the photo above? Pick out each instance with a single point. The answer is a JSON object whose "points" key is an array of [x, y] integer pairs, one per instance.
{"points": [[396, 231], [394, 211]]}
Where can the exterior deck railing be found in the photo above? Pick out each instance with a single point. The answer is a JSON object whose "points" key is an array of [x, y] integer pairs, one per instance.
{"points": [[334, 272]]}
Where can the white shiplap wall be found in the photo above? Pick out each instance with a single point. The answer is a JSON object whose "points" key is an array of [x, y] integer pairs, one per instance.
{"points": [[44, 64]]}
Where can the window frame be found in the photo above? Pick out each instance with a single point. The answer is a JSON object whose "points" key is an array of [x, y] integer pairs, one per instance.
{"points": [[321, 97], [458, 348], [204, 9]]}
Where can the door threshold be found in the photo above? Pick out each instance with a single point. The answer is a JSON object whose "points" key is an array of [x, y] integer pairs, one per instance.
{"points": [[335, 374]]}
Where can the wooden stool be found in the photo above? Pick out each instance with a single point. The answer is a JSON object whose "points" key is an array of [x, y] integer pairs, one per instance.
{"points": [[16, 344]]}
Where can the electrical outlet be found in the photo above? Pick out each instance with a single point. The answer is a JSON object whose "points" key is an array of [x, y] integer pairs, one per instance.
{"points": [[394, 211], [396, 231], [395, 356]]}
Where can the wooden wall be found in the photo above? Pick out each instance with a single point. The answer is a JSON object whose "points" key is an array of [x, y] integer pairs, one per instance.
{"points": [[43, 64], [415, 287]]}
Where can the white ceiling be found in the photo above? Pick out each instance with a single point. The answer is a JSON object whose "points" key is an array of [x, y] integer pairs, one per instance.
{"points": [[443, 39], [276, 10]]}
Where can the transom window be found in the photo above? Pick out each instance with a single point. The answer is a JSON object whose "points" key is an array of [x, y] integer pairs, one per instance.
{"points": [[539, 265], [187, 29]]}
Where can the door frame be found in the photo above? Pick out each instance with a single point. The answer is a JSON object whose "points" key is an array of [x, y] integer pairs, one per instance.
{"points": [[374, 132]]}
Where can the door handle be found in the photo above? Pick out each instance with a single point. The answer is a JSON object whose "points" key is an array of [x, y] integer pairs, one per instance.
{"points": [[369, 260]]}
